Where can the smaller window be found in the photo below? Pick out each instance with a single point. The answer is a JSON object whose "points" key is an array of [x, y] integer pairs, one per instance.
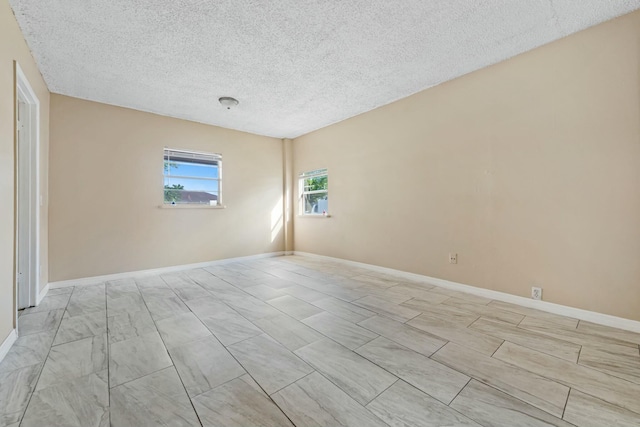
{"points": [[192, 178], [314, 192]]}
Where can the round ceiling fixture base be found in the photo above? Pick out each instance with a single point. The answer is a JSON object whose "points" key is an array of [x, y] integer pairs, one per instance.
{"points": [[228, 102]]}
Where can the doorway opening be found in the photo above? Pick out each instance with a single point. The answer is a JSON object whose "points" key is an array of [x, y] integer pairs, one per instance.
{"points": [[27, 190]]}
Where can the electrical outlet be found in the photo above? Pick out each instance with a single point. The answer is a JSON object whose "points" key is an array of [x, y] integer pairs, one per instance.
{"points": [[453, 258], [536, 293]]}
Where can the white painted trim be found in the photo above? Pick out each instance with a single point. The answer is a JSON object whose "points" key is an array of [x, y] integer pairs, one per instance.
{"points": [[23, 87], [7, 343], [563, 310], [163, 270], [42, 294]]}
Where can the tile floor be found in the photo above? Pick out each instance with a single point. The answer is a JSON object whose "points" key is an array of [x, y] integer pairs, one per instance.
{"points": [[298, 341]]}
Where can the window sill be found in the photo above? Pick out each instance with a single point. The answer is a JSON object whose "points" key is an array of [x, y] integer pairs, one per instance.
{"points": [[315, 216], [191, 206]]}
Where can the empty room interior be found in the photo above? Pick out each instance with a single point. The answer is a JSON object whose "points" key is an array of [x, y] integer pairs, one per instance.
{"points": [[319, 213]]}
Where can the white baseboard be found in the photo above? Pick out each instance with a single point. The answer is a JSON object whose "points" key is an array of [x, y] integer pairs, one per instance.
{"points": [[563, 310], [163, 270], [7, 343], [42, 294]]}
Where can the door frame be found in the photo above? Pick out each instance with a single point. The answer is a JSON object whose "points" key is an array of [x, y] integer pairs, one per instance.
{"points": [[25, 93]]}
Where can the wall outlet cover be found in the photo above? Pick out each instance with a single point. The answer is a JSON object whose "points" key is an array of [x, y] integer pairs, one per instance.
{"points": [[536, 293]]}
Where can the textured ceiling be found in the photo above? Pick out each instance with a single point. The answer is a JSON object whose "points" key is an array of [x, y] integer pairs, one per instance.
{"points": [[294, 65]]}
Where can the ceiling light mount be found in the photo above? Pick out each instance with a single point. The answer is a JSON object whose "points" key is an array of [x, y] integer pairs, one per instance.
{"points": [[228, 102]]}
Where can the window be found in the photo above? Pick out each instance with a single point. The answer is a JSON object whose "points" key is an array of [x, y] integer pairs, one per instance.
{"points": [[314, 192], [192, 178]]}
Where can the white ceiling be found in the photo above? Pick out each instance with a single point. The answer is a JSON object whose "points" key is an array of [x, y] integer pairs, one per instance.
{"points": [[294, 65]]}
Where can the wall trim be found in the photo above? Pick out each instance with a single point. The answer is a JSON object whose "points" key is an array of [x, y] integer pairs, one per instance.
{"points": [[41, 294], [162, 270], [7, 343], [563, 310]]}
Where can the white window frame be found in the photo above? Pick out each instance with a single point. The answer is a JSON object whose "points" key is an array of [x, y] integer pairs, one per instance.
{"points": [[302, 176], [195, 155]]}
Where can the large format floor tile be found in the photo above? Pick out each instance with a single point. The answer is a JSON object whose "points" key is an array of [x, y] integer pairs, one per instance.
{"points": [[204, 364], [75, 359], [403, 334], [269, 363], [595, 383], [435, 379], [225, 323], [587, 411], [83, 402], [346, 333], [237, 404], [536, 390], [358, 377], [315, 401], [309, 342], [157, 399], [136, 357], [491, 407], [404, 405]]}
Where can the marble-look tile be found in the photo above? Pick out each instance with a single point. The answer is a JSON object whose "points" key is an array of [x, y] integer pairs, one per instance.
{"points": [[474, 299], [87, 299], [39, 322], [550, 318], [305, 294], [419, 291], [345, 310], [58, 291], [129, 325], [185, 288], [385, 308], [48, 303], [249, 307], [83, 402], [136, 357], [403, 334], [16, 387], [181, 329], [346, 333], [598, 384], [358, 377], [27, 350], [619, 361], [551, 329], [269, 363], [67, 362], [237, 404], [157, 292], [204, 364], [154, 400], [287, 331], [447, 313], [403, 405], [587, 411], [150, 282], [481, 343], [562, 349], [536, 390], [206, 280], [433, 378], [161, 308], [491, 407], [315, 401], [225, 323], [294, 307], [592, 329], [377, 279], [124, 302], [486, 311], [78, 327], [264, 292]]}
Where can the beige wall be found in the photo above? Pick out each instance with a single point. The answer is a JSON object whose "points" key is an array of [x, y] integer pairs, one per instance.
{"points": [[529, 170], [13, 48], [106, 189]]}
